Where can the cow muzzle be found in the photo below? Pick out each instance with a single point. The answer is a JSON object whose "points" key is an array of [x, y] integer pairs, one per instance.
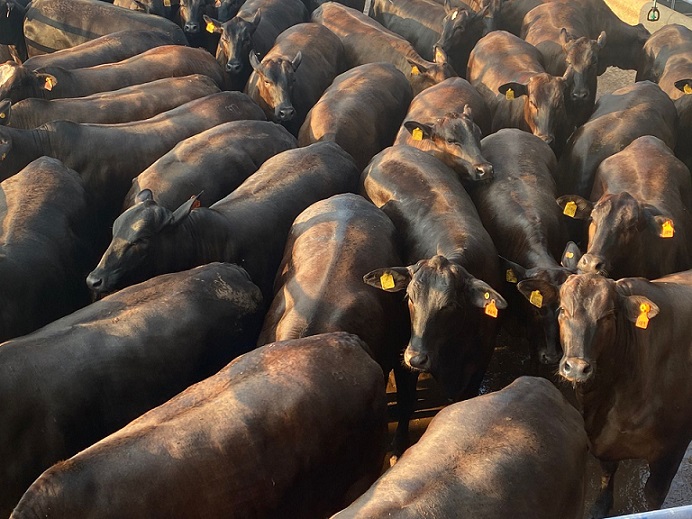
{"points": [[417, 360], [191, 27], [97, 283], [285, 113], [592, 264], [547, 138], [580, 95], [234, 67], [575, 370], [484, 171]]}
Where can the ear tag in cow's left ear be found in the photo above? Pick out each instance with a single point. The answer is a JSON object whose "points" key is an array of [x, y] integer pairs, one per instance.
{"points": [[667, 229], [536, 299], [167, 3], [48, 84], [569, 254], [414, 70], [643, 319], [509, 94], [196, 204], [687, 88], [417, 134], [455, 14], [510, 276], [210, 27], [3, 115], [491, 309], [570, 209], [3, 157], [386, 281]]}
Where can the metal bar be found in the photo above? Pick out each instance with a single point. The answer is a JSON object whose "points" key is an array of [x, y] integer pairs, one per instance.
{"points": [[680, 512]]}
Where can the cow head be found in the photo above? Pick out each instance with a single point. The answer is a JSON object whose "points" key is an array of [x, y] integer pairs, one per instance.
{"points": [[590, 306], [581, 54], [234, 47], [274, 83], [137, 234], [18, 82], [456, 140], [425, 74], [190, 13], [443, 300], [455, 25], [227, 9], [544, 103], [616, 227]]}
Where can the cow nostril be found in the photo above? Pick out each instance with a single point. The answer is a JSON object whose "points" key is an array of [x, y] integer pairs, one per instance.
{"points": [[567, 367], [94, 282], [191, 27], [420, 361], [233, 67], [587, 369]]}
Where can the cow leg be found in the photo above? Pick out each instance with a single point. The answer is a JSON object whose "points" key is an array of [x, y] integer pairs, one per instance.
{"points": [[405, 401], [604, 501], [662, 473]]}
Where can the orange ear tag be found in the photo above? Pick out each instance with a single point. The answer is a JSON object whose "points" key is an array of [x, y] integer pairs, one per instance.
{"points": [[196, 204], [417, 134], [49, 84], [570, 209], [687, 89], [510, 276], [210, 27], [491, 309], [643, 319], [387, 281], [414, 70], [536, 299], [509, 94], [667, 229]]}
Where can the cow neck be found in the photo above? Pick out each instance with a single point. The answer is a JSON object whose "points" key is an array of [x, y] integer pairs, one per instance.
{"points": [[537, 257], [207, 235]]}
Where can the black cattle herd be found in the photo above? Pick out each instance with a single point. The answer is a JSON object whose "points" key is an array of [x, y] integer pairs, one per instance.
{"points": [[263, 187]]}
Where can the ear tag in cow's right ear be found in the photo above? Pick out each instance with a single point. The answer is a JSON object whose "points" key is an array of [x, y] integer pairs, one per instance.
{"points": [[667, 229], [48, 84], [167, 3], [417, 134], [536, 299], [569, 254], [415, 71], [687, 88], [3, 115], [509, 94], [3, 157], [386, 281], [210, 27], [491, 309], [570, 209], [643, 319], [196, 204], [510, 276]]}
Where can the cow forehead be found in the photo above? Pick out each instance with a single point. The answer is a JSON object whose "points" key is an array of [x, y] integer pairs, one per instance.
{"points": [[139, 219], [276, 69], [591, 292], [582, 51], [236, 29], [621, 205]]}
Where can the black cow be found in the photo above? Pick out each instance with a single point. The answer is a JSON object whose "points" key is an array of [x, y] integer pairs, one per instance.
{"points": [[11, 27], [449, 253], [640, 222], [52, 25], [109, 156], [158, 63], [254, 29], [79, 379], [527, 227], [235, 445], [212, 163], [508, 73], [627, 345], [361, 111], [520, 452], [295, 72], [248, 227], [619, 118], [134, 103], [366, 41], [163, 8]]}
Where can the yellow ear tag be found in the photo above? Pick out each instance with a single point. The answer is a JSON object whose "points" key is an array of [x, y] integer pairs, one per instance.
{"points": [[510, 276], [570, 209], [455, 14], [2, 115], [3, 156], [509, 94], [417, 134], [667, 229], [210, 27], [414, 71], [491, 309], [49, 84], [387, 281], [643, 319], [536, 299], [167, 3], [687, 89], [569, 254]]}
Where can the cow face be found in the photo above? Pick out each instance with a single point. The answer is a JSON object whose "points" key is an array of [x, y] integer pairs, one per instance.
{"points": [[455, 25], [274, 83], [227, 9], [190, 12], [425, 74], [235, 43], [581, 54], [589, 308], [456, 140], [18, 82], [544, 104], [443, 300], [135, 232]]}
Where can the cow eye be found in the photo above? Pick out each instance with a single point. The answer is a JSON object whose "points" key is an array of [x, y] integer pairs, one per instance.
{"points": [[267, 82]]}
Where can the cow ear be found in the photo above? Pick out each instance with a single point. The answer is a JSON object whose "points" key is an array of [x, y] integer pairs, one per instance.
{"points": [[5, 146], [392, 279], [5, 108], [448, 7], [184, 210], [575, 207], [144, 195], [601, 41], [212, 25], [254, 61], [564, 37], [255, 20], [517, 90], [684, 85], [46, 81], [539, 292], [571, 256], [634, 306], [514, 272], [480, 14], [468, 111], [296, 61], [440, 55], [419, 131], [417, 67], [480, 294], [661, 225]]}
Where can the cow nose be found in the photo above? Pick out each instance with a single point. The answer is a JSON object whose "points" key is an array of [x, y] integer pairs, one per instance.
{"points": [[191, 27], [484, 171], [591, 264], [417, 360], [285, 113], [549, 357], [233, 67], [548, 139], [94, 282], [580, 95], [575, 369]]}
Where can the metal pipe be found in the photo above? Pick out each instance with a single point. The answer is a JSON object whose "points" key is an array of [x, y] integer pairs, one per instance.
{"points": [[679, 512]]}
